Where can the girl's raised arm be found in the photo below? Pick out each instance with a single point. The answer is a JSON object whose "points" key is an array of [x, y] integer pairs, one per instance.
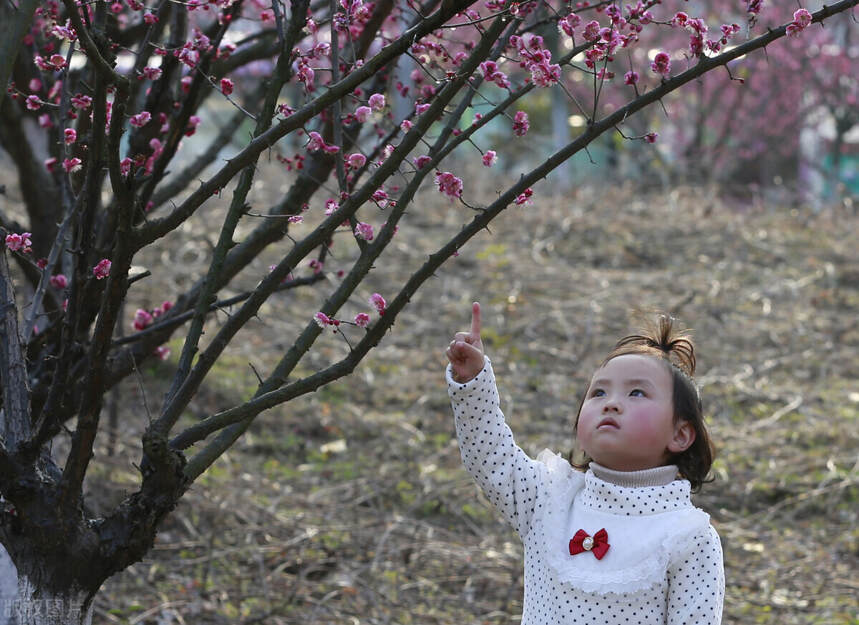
{"points": [[506, 474]]}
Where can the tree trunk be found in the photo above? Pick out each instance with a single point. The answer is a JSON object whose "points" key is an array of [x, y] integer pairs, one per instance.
{"points": [[41, 606]]}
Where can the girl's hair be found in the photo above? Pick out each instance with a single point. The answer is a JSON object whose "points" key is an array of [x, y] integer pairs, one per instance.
{"points": [[661, 340]]}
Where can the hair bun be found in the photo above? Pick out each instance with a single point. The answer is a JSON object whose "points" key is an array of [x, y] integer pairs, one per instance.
{"points": [[660, 334]]}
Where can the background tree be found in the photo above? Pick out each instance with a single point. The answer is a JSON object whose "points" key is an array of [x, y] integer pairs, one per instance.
{"points": [[96, 118]]}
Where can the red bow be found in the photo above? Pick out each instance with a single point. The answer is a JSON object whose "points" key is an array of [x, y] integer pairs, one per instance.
{"points": [[598, 543]]}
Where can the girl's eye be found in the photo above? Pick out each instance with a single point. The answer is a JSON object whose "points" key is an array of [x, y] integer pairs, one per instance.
{"points": [[637, 392], [597, 392]]}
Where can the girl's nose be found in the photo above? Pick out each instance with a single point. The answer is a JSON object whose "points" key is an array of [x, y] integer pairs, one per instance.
{"points": [[612, 405]]}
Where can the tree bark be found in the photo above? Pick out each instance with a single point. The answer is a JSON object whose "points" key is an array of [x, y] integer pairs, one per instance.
{"points": [[36, 605]]}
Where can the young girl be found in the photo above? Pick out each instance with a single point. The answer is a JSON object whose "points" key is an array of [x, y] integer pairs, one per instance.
{"points": [[621, 543]]}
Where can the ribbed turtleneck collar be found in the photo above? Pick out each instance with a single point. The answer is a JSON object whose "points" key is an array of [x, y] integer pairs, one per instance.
{"points": [[657, 476]]}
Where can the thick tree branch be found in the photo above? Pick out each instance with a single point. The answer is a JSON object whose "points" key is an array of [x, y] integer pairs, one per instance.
{"points": [[13, 368]]}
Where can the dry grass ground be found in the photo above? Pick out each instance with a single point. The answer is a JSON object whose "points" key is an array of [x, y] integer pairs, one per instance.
{"points": [[351, 506]]}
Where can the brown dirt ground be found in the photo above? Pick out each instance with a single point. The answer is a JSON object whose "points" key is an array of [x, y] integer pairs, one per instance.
{"points": [[351, 505]]}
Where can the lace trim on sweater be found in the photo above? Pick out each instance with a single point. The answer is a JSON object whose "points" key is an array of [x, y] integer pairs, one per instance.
{"points": [[643, 542]]}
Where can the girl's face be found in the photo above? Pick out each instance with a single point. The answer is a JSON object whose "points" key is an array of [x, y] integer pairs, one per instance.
{"points": [[627, 419]]}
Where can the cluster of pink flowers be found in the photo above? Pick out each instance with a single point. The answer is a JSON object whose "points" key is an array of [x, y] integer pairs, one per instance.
{"points": [[19, 242], [352, 18], [801, 20], [364, 231], [81, 102], [318, 143], [421, 161], [661, 64], [355, 161], [521, 123], [71, 165], [536, 59], [143, 318], [491, 74], [59, 281], [489, 158], [152, 73], [226, 86], [102, 269], [362, 319], [448, 184], [54, 63], [524, 197], [141, 119], [698, 30]]}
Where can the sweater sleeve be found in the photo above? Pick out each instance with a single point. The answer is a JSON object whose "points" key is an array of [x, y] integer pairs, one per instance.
{"points": [[506, 474], [696, 582]]}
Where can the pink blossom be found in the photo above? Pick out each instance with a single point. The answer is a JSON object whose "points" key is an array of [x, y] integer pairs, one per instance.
{"points": [[524, 197], [331, 205], [592, 31], [421, 108], [571, 21], [377, 101], [35, 84], [125, 166], [163, 352], [421, 161], [45, 121], [378, 302], [489, 158], [81, 102], [680, 18], [520, 123], [34, 103], [226, 86], [71, 165], [448, 184], [19, 242], [630, 78], [141, 119], [545, 75], [152, 73], [362, 320], [58, 61], [193, 122], [102, 269], [802, 18], [150, 18], [307, 76], [322, 319], [356, 160], [318, 143], [364, 231], [59, 281], [650, 137], [362, 113], [405, 125], [661, 63], [69, 136], [142, 318], [50, 163]]}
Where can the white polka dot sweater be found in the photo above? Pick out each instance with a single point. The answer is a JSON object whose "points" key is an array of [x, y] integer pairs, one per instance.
{"points": [[602, 547]]}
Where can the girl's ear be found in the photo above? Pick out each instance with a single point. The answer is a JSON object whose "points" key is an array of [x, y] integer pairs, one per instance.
{"points": [[684, 436]]}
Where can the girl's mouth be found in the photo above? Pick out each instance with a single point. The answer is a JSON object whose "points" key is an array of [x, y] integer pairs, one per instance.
{"points": [[608, 423]]}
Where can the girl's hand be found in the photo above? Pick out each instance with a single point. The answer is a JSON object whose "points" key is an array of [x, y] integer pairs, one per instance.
{"points": [[465, 351]]}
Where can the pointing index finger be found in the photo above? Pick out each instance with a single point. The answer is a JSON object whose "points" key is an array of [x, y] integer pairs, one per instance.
{"points": [[475, 319]]}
